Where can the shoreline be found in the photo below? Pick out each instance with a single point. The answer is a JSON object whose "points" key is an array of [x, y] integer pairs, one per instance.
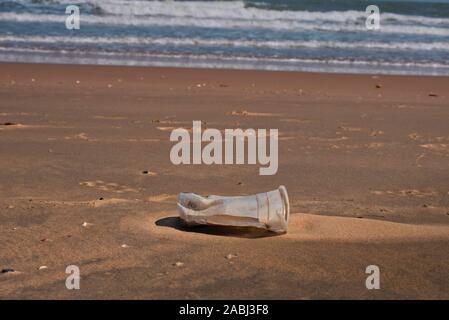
{"points": [[211, 69], [208, 63]]}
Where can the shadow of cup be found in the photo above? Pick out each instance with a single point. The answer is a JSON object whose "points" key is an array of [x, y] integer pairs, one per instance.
{"points": [[226, 231]]}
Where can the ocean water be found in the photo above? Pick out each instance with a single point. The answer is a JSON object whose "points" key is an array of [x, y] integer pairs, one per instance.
{"points": [[304, 35]]}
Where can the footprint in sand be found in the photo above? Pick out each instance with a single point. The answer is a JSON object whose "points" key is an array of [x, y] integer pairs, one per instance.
{"points": [[166, 128], [12, 125], [416, 136], [287, 138], [376, 133], [327, 139], [4, 114], [162, 198], [406, 193], [79, 136], [110, 202], [296, 120], [427, 138], [109, 117], [350, 129], [168, 122], [149, 173], [375, 145], [418, 159], [133, 140], [440, 148], [89, 203], [251, 114], [372, 132], [83, 136], [109, 187]]}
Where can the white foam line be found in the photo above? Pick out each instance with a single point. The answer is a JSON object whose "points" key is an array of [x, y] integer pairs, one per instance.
{"points": [[80, 55], [286, 24], [278, 44], [237, 10]]}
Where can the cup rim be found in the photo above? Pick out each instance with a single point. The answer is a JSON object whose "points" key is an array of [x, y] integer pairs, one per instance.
{"points": [[283, 191]]}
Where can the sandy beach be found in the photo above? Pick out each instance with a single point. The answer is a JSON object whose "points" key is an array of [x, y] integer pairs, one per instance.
{"points": [[86, 180]]}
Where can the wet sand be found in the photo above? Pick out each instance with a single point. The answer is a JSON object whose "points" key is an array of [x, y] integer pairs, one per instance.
{"points": [[365, 160]]}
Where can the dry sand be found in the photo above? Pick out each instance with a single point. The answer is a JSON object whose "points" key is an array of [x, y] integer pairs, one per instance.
{"points": [[365, 160]]}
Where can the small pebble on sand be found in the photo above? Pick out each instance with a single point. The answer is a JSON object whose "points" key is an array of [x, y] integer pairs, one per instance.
{"points": [[231, 256], [87, 224], [43, 267], [178, 264]]}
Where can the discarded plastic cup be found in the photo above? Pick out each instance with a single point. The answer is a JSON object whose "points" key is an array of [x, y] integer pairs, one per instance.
{"points": [[267, 210]]}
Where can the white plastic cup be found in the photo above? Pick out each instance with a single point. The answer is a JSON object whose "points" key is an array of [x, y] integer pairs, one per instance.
{"points": [[267, 210]]}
